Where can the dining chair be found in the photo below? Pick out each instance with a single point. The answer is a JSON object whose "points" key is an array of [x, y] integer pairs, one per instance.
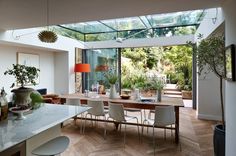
{"points": [[76, 102], [97, 110], [164, 117], [134, 110], [116, 113]]}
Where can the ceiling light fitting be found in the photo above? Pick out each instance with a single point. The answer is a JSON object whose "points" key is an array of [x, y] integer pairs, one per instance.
{"points": [[47, 36]]}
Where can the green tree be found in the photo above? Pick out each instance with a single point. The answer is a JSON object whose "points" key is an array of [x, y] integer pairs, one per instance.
{"points": [[181, 58]]}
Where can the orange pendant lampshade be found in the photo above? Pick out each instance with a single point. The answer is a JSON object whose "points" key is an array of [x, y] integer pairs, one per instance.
{"points": [[82, 67]]}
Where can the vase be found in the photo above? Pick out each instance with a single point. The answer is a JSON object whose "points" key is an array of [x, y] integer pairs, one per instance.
{"points": [[22, 96], [112, 91], [158, 95]]}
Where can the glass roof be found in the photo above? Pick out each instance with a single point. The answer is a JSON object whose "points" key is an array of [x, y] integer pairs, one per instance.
{"points": [[138, 23]]}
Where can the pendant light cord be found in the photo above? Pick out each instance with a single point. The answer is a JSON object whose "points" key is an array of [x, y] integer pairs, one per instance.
{"points": [[47, 14]]}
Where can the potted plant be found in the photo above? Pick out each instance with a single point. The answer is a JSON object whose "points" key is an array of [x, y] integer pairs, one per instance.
{"points": [[112, 78], [24, 75], [158, 85], [210, 55]]}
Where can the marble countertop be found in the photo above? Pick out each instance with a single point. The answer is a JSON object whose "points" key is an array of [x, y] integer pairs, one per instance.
{"points": [[14, 131]]}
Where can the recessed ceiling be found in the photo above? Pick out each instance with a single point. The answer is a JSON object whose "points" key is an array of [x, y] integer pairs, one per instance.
{"points": [[17, 14]]}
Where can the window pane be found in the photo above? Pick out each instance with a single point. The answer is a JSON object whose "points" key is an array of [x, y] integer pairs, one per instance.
{"points": [[101, 61]]}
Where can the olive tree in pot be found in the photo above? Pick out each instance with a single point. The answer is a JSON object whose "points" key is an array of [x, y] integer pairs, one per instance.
{"points": [[24, 75], [210, 56]]}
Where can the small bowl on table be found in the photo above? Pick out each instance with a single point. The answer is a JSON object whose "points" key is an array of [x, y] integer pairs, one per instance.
{"points": [[124, 96]]}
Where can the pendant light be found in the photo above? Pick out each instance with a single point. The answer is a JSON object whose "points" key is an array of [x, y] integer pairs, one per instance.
{"points": [[47, 36]]}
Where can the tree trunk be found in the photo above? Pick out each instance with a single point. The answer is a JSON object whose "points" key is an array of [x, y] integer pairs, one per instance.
{"points": [[222, 102]]}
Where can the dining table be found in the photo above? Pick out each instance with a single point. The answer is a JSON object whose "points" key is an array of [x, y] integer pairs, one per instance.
{"points": [[146, 103]]}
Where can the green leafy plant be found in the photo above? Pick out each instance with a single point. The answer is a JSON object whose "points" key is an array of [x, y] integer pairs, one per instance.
{"points": [[210, 57], [23, 74], [111, 76], [157, 84]]}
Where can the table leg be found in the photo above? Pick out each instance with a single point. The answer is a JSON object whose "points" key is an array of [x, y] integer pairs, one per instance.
{"points": [[176, 124], [116, 125]]}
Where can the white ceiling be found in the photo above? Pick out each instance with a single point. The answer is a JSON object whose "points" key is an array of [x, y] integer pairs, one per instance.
{"points": [[16, 14]]}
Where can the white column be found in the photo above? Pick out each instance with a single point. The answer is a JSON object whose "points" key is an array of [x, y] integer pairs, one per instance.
{"points": [[230, 111]]}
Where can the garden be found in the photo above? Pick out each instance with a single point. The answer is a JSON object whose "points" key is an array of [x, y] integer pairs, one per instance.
{"points": [[150, 68]]}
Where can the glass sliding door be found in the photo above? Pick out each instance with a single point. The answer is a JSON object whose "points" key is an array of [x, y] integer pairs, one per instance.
{"points": [[101, 61]]}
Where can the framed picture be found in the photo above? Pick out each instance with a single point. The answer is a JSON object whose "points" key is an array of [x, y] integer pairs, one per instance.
{"points": [[28, 59], [230, 64]]}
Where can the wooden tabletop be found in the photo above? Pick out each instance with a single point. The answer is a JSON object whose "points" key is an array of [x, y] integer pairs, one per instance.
{"points": [[178, 102]]}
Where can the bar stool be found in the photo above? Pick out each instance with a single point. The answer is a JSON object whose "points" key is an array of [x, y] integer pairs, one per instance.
{"points": [[52, 147]]}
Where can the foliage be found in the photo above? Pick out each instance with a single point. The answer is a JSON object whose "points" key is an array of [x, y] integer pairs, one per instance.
{"points": [[181, 58], [23, 74], [36, 98], [210, 53], [135, 54], [111, 76], [156, 84], [172, 76], [210, 57]]}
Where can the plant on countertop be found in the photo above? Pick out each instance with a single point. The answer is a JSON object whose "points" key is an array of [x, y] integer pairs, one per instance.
{"points": [[23, 74]]}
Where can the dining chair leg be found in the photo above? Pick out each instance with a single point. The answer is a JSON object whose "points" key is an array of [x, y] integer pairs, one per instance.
{"points": [[153, 136], [149, 115], [104, 135], [171, 131], [91, 116], [165, 133], [81, 123], [125, 135], [138, 129], [144, 113], [141, 116], [85, 122], [96, 121], [143, 125]]}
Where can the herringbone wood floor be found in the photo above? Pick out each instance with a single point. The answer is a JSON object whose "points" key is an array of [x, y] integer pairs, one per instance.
{"points": [[195, 139]]}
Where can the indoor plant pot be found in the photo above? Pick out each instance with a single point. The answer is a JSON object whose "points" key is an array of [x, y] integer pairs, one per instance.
{"points": [[112, 78], [22, 95], [25, 75], [219, 140]]}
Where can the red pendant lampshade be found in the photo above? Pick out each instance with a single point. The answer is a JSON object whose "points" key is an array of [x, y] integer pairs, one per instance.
{"points": [[82, 67]]}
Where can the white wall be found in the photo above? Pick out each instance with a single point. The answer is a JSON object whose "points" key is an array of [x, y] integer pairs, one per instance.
{"points": [[209, 97], [208, 94], [61, 62], [8, 56], [230, 112], [64, 60]]}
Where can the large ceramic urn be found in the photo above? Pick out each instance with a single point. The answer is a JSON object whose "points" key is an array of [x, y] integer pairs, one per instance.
{"points": [[22, 96]]}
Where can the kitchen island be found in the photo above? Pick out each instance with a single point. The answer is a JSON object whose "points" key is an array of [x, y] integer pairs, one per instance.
{"points": [[20, 137]]}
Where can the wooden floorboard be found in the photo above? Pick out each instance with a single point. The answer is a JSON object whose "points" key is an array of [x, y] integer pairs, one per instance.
{"points": [[195, 139]]}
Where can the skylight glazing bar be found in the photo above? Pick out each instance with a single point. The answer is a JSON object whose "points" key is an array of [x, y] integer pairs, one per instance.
{"points": [[108, 26], [144, 22], [70, 29]]}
